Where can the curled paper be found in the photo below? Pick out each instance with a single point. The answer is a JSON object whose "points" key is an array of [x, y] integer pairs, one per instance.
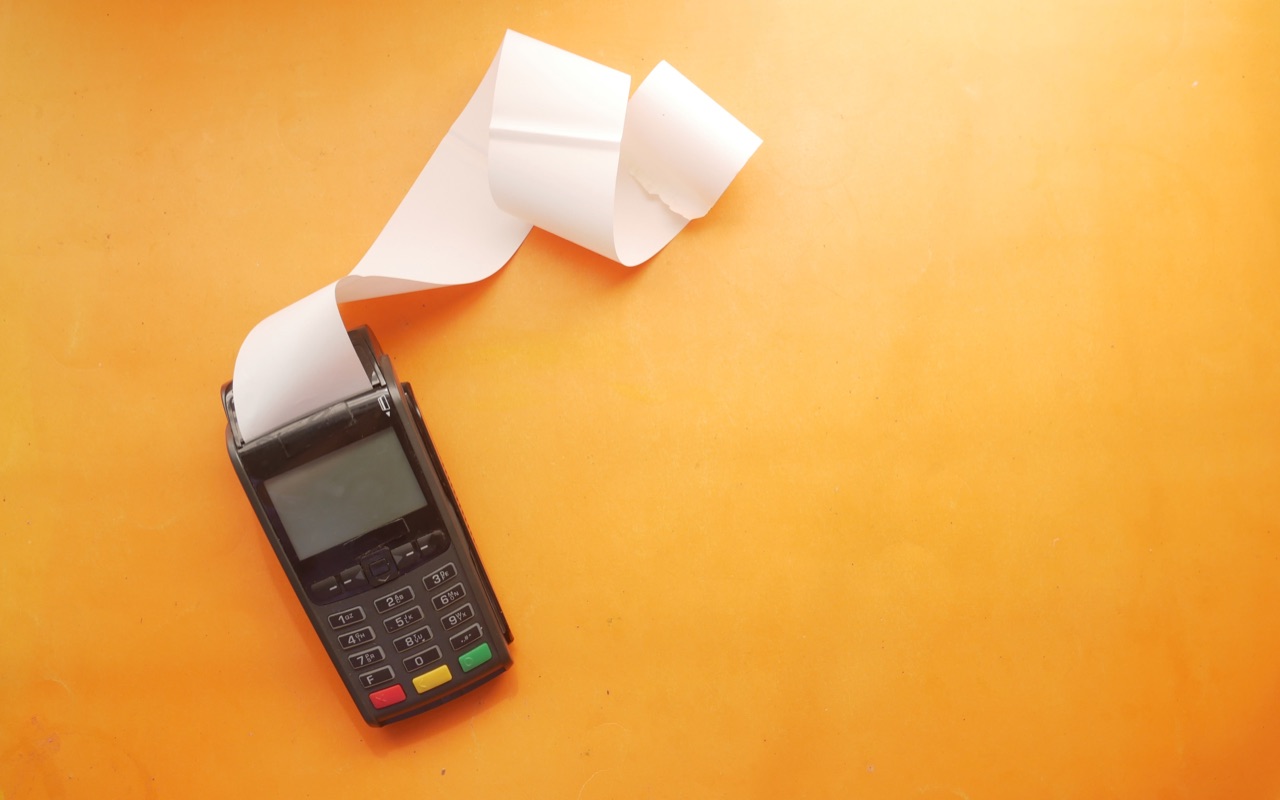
{"points": [[548, 139]]}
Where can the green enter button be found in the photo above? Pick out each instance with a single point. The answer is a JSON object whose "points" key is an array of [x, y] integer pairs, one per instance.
{"points": [[474, 657]]}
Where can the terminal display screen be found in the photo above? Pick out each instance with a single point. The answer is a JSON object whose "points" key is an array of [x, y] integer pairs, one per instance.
{"points": [[345, 494]]}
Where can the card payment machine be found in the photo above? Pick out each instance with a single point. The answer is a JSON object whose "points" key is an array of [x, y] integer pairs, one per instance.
{"points": [[360, 513]]}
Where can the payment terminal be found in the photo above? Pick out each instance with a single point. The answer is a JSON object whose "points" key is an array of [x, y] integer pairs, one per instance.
{"points": [[359, 511]]}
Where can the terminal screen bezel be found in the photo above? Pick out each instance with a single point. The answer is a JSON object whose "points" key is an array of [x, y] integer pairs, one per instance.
{"points": [[341, 495], [369, 416]]}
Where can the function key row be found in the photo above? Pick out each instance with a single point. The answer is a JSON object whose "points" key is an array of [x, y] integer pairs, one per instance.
{"points": [[407, 556], [349, 581], [424, 548]]}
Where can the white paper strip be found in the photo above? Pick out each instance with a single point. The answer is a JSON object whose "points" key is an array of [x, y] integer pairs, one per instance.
{"points": [[548, 139]]}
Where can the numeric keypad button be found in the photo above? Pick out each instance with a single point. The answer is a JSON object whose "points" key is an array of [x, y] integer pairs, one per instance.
{"points": [[437, 578], [404, 619], [356, 638], [449, 596], [394, 600], [426, 657], [366, 658], [411, 640], [348, 617], [457, 616]]}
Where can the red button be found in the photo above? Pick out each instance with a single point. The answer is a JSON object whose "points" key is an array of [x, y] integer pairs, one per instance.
{"points": [[387, 697]]}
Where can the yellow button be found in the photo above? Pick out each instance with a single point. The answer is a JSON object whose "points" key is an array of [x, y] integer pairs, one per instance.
{"points": [[430, 680]]}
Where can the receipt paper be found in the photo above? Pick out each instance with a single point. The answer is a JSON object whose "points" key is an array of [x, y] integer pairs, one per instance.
{"points": [[548, 139]]}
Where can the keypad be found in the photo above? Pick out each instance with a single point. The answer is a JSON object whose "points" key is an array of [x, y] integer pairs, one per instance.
{"points": [[449, 596], [411, 636], [385, 565], [403, 619]]}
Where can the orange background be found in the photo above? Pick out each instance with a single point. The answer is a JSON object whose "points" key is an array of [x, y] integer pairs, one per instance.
{"points": [[942, 460]]}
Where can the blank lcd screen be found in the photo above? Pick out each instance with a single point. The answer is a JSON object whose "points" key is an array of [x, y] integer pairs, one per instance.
{"points": [[346, 493]]}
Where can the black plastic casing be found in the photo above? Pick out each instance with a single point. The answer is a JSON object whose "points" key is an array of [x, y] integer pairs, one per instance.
{"points": [[400, 558]]}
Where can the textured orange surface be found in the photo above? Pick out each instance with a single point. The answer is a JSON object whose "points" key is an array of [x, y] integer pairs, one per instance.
{"points": [[942, 460]]}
